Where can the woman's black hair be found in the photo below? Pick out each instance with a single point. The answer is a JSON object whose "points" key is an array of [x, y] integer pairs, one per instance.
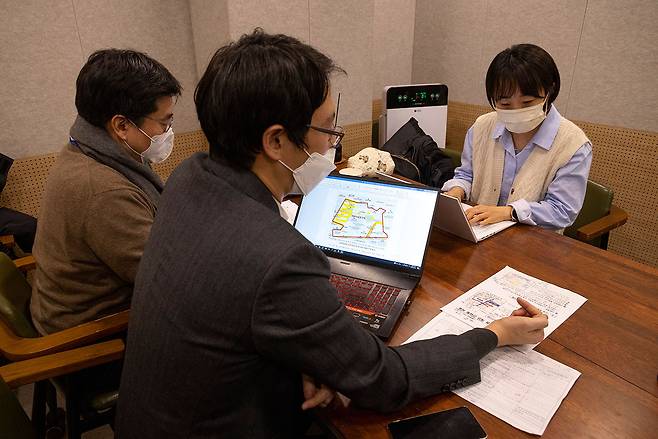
{"points": [[524, 66], [126, 82], [254, 83]]}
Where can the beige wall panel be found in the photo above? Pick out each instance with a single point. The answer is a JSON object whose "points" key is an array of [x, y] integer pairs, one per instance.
{"points": [[616, 77], [209, 20], [554, 25], [393, 43], [448, 41], [342, 29], [162, 29], [39, 60], [286, 17]]}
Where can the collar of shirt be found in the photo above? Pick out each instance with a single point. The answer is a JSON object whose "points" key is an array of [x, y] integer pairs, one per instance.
{"points": [[543, 137], [282, 211]]}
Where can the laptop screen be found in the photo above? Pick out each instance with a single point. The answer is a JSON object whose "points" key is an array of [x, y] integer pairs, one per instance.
{"points": [[368, 220]]}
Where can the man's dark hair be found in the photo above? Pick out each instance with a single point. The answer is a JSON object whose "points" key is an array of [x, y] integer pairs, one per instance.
{"points": [[125, 82], [254, 83], [527, 67]]}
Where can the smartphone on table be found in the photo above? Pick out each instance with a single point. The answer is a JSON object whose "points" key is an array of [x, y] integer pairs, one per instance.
{"points": [[457, 423]]}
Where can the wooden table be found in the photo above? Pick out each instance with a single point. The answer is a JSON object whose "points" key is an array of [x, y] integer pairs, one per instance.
{"points": [[612, 339]]}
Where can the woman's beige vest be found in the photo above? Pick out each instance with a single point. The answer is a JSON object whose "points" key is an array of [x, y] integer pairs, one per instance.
{"points": [[536, 174]]}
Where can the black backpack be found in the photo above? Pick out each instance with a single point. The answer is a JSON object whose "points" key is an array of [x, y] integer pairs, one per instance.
{"points": [[5, 164], [417, 156], [22, 226]]}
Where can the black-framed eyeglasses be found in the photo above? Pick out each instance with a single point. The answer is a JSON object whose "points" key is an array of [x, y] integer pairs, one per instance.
{"points": [[336, 134], [168, 124]]}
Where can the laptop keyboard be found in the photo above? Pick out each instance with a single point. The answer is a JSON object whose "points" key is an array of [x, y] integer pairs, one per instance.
{"points": [[364, 296]]}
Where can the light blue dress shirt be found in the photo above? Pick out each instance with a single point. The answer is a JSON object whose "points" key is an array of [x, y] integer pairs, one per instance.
{"points": [[565, 193]]}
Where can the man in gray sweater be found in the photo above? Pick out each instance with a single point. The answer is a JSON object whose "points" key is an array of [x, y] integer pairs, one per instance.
{"points": [[232, 305]]}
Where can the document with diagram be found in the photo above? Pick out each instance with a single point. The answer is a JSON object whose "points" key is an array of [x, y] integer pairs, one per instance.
{"points": [[495, 298], [524, 389]]}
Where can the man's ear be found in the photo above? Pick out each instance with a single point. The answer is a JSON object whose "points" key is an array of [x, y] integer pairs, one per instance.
{"points": [[274, 137], [119, 126]]}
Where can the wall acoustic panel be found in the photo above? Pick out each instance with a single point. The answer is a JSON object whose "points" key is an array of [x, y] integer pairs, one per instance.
{"points": [[625, 160], [289, 17], [342, 29], [162, 29], [448, 41], [209, 21], [393, 41], [555, 26], [357, 137], [39, 60], [616, 77], [26, 183]]}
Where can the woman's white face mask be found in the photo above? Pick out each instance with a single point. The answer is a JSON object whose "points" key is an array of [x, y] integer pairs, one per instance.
{"points": [[522, 120]]}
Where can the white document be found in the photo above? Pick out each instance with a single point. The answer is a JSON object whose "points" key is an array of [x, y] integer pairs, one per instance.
{"points": [[495, 298], [523, 389], [482, 231], [442, 324]]}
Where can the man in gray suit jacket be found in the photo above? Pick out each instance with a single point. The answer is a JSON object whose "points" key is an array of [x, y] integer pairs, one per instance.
{"points": [[232, 305]]}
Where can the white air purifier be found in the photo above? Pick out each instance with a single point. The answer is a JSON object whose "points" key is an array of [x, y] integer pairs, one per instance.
{"points": [[427, 103]]}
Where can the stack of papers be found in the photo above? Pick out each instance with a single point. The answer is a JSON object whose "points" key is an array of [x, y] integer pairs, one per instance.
{"points": [[520, 386]]}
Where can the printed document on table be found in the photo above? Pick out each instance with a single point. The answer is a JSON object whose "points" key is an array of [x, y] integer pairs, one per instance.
{"points": [[495, 298], [523, 389], [442, 324]]}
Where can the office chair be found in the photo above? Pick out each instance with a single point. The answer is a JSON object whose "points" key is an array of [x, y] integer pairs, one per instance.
{"points": [[87, 407], [454, 154], [597, 217], [14, 422]]}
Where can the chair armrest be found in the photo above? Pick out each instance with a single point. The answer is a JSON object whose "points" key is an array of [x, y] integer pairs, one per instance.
{"points": [[25, 263], [617, 217], [7, 240], [17, 348], [62, 363]]}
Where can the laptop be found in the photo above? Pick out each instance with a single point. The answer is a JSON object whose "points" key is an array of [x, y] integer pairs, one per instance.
{"points": [[375, 234], [451, 217]]}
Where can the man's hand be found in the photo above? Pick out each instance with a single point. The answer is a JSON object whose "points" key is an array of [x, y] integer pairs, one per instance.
{"points": [[482, 214], [525, 325], [315, 396], [456, 192]]}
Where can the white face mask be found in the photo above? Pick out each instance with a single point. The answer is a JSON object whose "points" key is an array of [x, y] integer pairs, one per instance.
{"points": [[312, 171], [160, 147], [522, 120]]}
